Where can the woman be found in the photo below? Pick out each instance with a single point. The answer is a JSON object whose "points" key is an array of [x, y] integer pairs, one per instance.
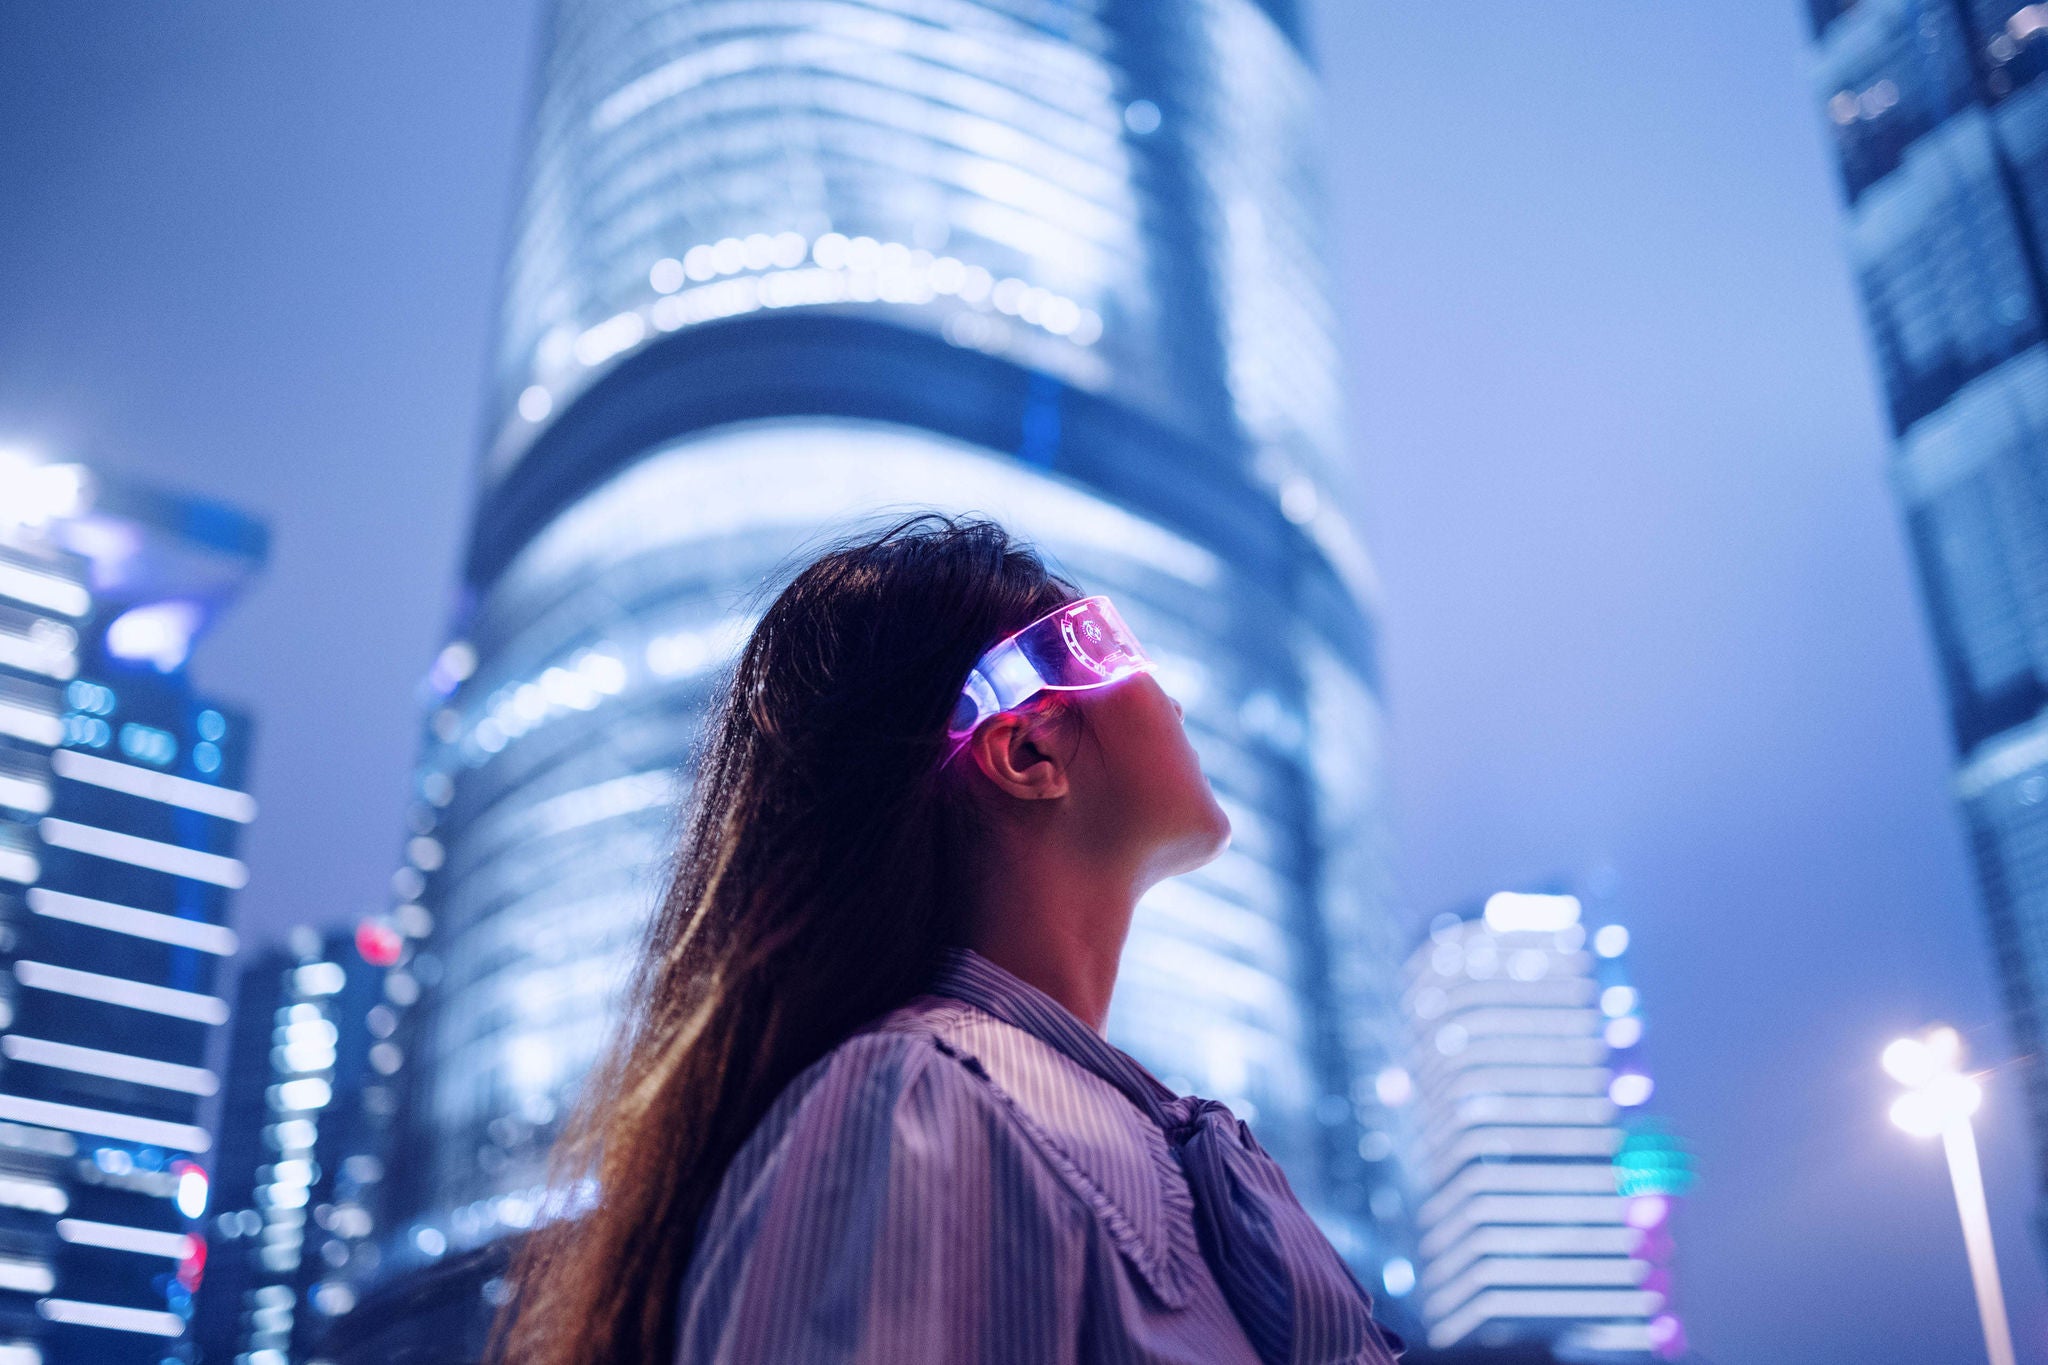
{"points": [[862, 1110]]}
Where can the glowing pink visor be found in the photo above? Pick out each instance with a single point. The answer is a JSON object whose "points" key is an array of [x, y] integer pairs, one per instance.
{"points": [[1069, 649]]}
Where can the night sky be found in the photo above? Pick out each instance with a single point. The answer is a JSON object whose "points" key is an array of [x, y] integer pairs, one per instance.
{"points": [[1647, 605]]}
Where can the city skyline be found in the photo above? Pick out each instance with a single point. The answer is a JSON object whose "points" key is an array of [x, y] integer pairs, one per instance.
{"points": [[1597, 325]]}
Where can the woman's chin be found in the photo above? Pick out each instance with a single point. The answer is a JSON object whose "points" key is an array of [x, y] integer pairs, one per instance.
{"points": [[1223, 831], [1205, 844]]}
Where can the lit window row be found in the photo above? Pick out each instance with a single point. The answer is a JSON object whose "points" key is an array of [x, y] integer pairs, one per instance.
{"points": [[767, 272]]}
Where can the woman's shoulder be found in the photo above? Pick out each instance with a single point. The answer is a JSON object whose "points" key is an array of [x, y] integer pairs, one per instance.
{"points": [[896, 1083], [887, 1174], [1107, 1156], [907, 1051], [940, 1095]]}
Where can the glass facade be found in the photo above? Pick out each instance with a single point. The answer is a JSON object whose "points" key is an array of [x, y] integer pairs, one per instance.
{"points": [[120, 810], [302, 1121], [1545, 1202], [783, 269], [1940, 118]]}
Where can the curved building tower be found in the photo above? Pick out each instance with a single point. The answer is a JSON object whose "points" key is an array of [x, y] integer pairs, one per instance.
{"points": [[783, 267], [1939, 120]]}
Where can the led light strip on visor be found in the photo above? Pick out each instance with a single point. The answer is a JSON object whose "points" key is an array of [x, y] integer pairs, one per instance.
{"points": [[1081, 645]]}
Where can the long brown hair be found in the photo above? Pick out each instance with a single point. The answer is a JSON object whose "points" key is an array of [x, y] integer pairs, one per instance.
{"points": [[821, 871]]}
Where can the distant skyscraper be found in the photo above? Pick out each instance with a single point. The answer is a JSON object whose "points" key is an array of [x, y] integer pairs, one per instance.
{"points": [[237, 1310], [1544, 1202], [301, 1135], [1940, 118], [120, 808], [782, 266]]}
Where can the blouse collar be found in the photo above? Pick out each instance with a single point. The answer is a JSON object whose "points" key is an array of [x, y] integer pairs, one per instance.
{"points": [[966, 975]]}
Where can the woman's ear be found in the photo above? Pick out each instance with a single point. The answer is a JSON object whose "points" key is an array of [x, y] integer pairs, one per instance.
{"points": [[1020, 753]]}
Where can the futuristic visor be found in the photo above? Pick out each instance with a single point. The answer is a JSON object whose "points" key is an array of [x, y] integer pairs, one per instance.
{"points": [[1072, 648]]}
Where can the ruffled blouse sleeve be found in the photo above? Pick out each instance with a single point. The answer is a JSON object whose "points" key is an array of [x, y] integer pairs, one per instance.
{"points": [[887, 1212]]}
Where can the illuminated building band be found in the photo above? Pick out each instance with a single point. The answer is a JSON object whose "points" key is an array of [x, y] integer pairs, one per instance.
{"points": [[856, 367]]}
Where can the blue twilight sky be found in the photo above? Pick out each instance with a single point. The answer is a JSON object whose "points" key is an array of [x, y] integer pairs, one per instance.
{"points": [[1647, 605]]}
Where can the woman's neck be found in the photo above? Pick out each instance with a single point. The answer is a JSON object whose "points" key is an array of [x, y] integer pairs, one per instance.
{"points": [[1062, 932]]}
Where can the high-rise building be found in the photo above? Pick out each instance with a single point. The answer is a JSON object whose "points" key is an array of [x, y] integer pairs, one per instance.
{"points": [[302, 1121], [230, 1315], [121, 803], [1544, 1199], [1939, 112], [782, 266]]}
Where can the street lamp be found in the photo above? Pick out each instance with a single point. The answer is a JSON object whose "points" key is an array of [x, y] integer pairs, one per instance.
{"points": [[1939, 1100]]}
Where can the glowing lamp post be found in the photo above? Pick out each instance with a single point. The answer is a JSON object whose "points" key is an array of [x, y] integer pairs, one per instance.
{"points": [[1939, 1100]]}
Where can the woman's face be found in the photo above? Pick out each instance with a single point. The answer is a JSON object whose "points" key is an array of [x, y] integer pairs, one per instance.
{"points": [[1138, 784]]}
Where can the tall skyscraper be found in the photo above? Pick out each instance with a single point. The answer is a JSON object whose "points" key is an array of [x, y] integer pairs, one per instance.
{"points": [[1939, 110], [782, 266], [120, 808], [1545, 1200], [301, 1144]]}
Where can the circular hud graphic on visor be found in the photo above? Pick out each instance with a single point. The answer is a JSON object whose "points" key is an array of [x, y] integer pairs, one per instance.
{"points": [[1072, 648]]}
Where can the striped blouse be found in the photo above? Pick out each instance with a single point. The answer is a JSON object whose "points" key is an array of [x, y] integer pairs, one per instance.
{"points": [[971, 1180]]}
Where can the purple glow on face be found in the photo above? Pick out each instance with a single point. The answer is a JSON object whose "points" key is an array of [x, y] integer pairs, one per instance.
{"points": [[159, 634], [1648, 1211]]}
